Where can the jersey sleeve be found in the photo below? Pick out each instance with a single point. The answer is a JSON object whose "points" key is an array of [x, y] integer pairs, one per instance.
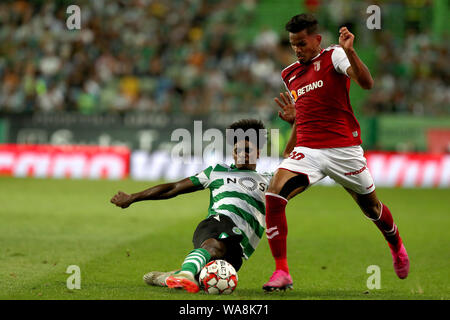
{"points": [[202, 178], [340, 60]]}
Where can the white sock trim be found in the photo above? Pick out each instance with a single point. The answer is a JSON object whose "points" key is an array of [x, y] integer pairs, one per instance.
{"points": [[270, 236], [276, 195], [198, 256], [392, 231], [195, 262]]}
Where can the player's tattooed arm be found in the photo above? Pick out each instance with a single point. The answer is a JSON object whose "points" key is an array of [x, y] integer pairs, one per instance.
{"points": [[358, 71], [159, 192]]}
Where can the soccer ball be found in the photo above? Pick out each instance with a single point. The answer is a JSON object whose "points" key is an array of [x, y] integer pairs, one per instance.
{"points": [[218, 277]]}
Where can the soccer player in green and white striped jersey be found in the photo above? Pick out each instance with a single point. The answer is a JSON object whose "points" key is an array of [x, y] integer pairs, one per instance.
{"points": [[235, 222]]}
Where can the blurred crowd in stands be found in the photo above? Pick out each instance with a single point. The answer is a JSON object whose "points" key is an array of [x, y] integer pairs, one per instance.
{"points": [[169, 56], [181, 56], [412, 77]]}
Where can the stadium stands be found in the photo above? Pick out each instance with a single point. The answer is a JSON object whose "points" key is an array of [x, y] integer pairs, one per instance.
{"points": [[206, 57]]}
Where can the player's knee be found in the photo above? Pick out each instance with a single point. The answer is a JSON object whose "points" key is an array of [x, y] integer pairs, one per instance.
{"points": [[277, 182], [274, 187], [294, 186], [215, 248]]}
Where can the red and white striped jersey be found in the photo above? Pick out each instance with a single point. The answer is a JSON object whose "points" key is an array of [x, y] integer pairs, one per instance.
{"points": [[320, 89]]}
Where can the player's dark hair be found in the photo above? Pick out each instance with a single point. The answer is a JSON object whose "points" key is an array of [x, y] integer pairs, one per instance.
{"points": [[247, 126], [301, 22]]}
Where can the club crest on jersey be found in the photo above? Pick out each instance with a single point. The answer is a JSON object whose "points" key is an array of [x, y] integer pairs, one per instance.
{"points": [[236, 230], [317, 65]]}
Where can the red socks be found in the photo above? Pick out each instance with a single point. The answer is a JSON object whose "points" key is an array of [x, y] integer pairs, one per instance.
{"points": [[277, 229], [387, 226]]}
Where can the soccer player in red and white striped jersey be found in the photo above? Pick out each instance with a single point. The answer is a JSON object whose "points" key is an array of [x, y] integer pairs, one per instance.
{"points": [[327, 139]]}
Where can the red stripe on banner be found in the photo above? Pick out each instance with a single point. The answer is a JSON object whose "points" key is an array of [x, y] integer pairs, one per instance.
{"points": [[409, 169], [437, 175], [401, 176], [73, 161], [420, 173]]}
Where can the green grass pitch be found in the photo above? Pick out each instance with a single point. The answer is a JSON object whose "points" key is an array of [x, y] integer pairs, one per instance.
{"points": [[47, 225]]}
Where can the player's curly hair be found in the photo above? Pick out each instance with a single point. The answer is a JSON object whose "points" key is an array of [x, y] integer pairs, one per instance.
{"points": [[301, 22], [246, 129]]}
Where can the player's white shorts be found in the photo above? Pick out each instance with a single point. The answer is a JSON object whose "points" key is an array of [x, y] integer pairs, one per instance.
{"points": [[347, 166]]}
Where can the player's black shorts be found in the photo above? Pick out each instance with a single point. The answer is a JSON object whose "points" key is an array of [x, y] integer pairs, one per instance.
{"points": [[222, 228]]}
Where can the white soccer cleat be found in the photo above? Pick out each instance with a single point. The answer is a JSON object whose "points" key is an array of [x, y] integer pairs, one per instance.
{"points": [[157, 278]]}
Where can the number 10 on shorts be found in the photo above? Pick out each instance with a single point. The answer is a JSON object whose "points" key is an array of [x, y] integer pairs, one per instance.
{"points": [[296, 155]]}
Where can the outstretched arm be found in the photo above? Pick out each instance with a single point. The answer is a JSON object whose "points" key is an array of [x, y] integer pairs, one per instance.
{"points": [[358, 71], [159, 192]]}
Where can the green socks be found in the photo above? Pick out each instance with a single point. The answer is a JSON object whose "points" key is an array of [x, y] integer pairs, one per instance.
{"points": [[195, 261]]}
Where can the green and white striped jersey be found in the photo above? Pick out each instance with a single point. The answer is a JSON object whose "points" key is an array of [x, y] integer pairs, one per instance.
{"points": [[238, 194]]}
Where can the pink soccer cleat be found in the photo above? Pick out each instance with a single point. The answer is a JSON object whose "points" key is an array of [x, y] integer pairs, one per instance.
{"points": [[401, 261], [280, 280]]}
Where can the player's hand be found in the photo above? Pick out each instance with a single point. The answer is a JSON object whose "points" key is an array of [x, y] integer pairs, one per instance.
{"points": [[288, 107], [122, 199], [346, 38]]}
